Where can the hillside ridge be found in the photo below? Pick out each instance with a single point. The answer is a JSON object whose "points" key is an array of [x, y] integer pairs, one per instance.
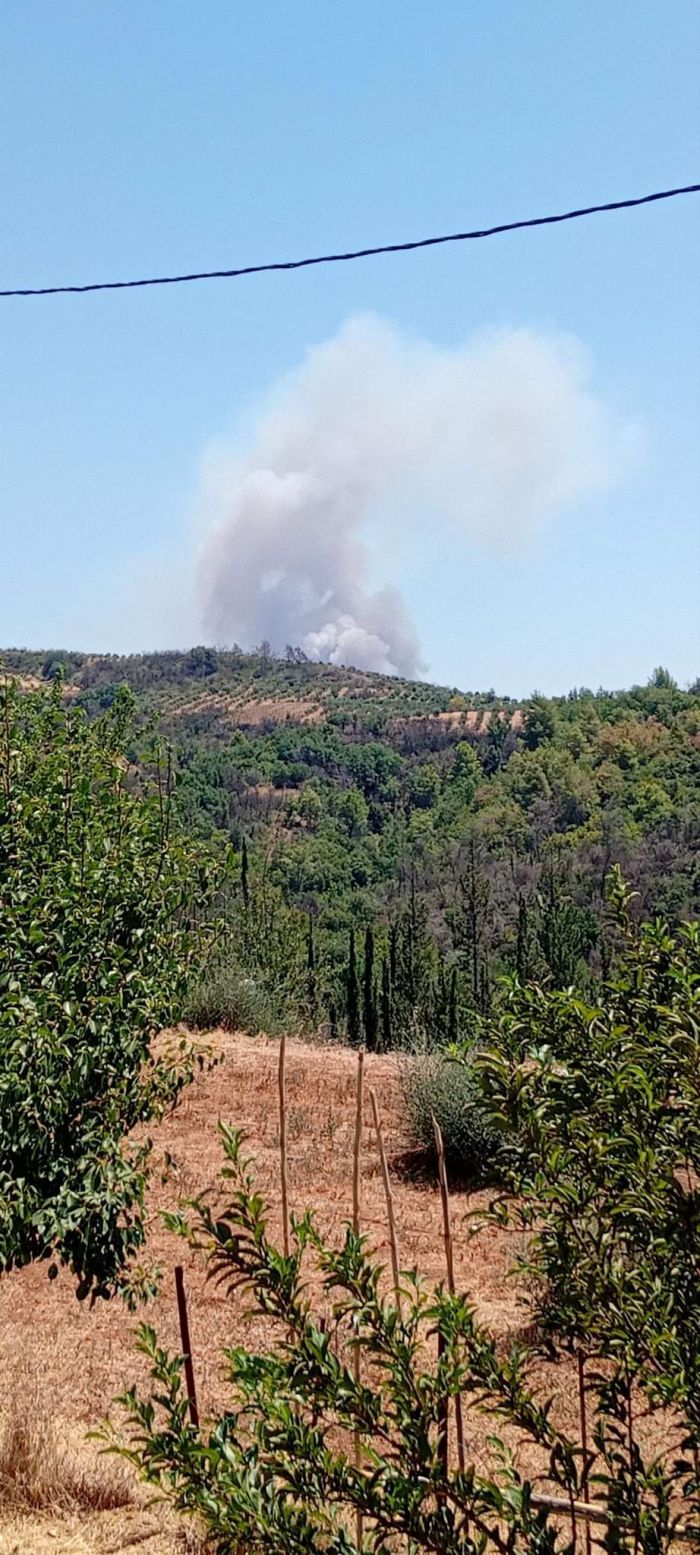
{"points": [[251, 690]]}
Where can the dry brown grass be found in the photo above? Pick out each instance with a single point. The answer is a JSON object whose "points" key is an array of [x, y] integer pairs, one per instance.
{"points": [[61, 1493], [39, 1469], [87, 1355]]}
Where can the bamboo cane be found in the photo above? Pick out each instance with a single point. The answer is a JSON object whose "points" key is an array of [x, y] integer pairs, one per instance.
{"points": [[186, 1345], [449, 1260], [633, 1473], [282, 1087], [393, 1239], [359, 1097], [356, 1185], [393, 1242], [584, 1440]]}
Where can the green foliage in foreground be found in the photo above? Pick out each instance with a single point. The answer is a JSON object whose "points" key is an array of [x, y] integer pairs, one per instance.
{"points": [[276, 1475], [94, 955], [598, 1113]]}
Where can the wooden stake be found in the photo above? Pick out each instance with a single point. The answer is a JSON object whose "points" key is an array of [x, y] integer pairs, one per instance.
{"points": [[393, 1240], [393, 1243], [185, 1345], [282, 1086], [633, 1474], [584, 1439], [443, 1445], [449, 1260], [358, 1144], [356, 1183]]}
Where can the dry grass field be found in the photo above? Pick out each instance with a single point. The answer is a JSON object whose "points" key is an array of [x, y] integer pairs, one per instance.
{"points": [[62, 1363]]}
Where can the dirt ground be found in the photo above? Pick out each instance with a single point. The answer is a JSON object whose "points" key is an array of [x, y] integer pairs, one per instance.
{"points": [[78, 1359]]}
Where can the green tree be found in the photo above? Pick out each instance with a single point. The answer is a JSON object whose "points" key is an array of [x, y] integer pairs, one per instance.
{"points": [[95, 952], [312, 983], [467, 771], [387, 1019], [468, 918], [352, 996], [662, 680], [353, 812], [452, 1015], [424, 787], [369, 994], [524, 948], [539, 724], [566, 933], [598, 1108]]}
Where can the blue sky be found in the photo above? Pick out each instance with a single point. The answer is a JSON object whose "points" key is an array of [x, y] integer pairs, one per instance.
{"points": [[138, 139]]}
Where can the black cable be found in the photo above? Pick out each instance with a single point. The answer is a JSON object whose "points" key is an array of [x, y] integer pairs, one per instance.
{"points": [[358, 253]]}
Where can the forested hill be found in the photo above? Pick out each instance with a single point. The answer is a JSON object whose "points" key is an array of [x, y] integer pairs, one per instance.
{"points": [[247, 690], [467, 833]]}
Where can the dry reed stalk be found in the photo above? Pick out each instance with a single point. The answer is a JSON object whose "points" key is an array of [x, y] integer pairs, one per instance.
{"points": [[359, 1098], [39, 1470], [597, 1512], [572, 1513], [443, 1442], [282, 1087], [633, 1469], [186, 1345], [356, 1183], [584, 1440], [393, 1240], [449, 1260]]}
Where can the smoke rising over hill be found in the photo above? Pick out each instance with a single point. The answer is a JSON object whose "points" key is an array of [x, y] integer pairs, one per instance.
{"points": [[375, 428]]}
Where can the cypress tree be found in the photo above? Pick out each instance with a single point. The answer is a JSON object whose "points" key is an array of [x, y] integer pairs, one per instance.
{"points": [[521, 947], [452, 1008], [244, 874], [352, 997], [473, 920], [484, 988], [369, 994], [442, 985], [311, 966], [393, 950], [387, 1014]]}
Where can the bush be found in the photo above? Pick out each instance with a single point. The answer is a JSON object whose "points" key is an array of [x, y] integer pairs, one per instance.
{"points": [[231, 998], [95, 951], [599, 1108], [449, 1090]]}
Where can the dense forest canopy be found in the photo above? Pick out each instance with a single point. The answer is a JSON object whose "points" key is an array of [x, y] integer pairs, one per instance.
{"points": [[446, 837]]}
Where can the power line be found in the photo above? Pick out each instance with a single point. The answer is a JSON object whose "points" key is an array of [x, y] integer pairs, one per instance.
{"points": [[357, 253]]}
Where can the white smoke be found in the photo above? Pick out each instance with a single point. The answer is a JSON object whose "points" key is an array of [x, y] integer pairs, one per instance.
{"points": [[491, 438]]}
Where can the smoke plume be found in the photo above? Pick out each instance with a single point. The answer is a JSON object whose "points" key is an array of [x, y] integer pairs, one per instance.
{"points": [[377, 429]]}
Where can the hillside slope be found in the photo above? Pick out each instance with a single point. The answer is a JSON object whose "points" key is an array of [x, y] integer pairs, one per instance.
{"points": [[457, 836], [248, 690]]}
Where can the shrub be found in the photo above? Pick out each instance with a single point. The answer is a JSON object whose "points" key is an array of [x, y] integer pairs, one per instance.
{"points": [[599, 1108], [95, 949], [233, 999], [449, 1090]]}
